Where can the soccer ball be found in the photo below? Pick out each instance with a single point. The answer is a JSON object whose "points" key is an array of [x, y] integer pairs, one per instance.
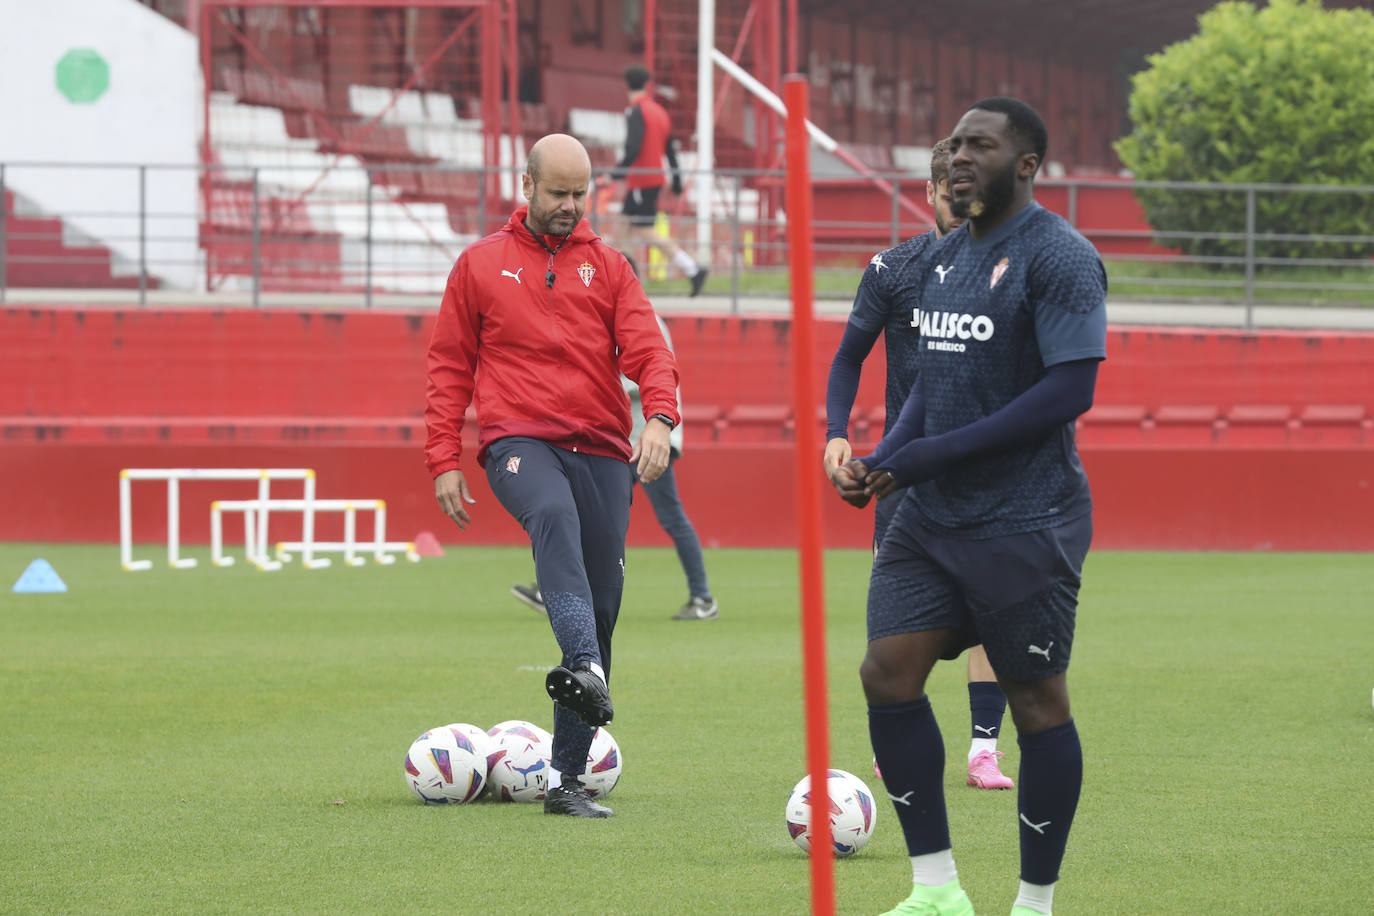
{"points": [[852, 812], [481, 742], [444, 767], [604, 764], [518, 764], [520, 727]]}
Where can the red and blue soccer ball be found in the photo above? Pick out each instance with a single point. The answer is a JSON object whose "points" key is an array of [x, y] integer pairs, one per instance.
{"points": [[446, 766], [852, 812], [518, 761], [520, 726], [604, 765]]}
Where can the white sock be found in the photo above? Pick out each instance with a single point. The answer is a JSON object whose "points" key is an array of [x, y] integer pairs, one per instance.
{"points": [[596, 669], [934, 869], [1037, 897], [981, 744], [684, 262]]}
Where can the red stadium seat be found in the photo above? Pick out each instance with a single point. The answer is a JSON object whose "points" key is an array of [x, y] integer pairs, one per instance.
{"points": [[1257, 425], [761, 423], [1186, 424], [702, 422], [1333, 425], [877, 421], [1115, 424]]}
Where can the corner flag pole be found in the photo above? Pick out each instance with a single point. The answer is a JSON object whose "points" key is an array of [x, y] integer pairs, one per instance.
{"points": [[795, 91]]}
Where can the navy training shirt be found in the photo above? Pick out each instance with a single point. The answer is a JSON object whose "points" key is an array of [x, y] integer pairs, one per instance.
{"points": [[886, 301], [993, 315]]}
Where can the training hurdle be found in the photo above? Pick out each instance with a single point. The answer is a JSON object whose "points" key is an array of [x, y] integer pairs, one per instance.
{"points": [[255, 549], [174, 476]]}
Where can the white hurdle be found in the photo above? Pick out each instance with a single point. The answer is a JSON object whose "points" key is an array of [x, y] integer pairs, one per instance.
{"points": [[255, 549], [174, 476]]}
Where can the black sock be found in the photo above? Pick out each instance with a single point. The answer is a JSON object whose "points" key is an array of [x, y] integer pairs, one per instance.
{"points": [[906, 740], [986, 705], [1050, 778]]}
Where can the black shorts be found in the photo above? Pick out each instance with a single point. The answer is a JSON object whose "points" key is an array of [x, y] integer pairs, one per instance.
{"points": [[640, 206], [882, 516], [1016, 594]]}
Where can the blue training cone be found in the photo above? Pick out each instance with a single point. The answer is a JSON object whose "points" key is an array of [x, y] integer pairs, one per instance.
{"points": [[40, 577]]}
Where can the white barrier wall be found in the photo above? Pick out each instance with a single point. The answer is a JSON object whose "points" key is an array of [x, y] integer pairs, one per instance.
{"points": [[58, 104]]}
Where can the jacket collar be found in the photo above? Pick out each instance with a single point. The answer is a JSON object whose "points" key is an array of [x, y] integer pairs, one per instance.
{"points": [[582, 232]]}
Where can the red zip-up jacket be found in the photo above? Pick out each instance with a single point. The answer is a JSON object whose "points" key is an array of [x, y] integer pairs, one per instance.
{"points": [[540, 362]]}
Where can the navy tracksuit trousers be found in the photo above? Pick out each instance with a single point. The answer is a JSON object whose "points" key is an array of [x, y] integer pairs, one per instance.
{"points": [[576, 510]]}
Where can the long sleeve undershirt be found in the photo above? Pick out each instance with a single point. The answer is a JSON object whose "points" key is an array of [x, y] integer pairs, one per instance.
{"points": [[1062, 394], [842, 385], [634, 138]]}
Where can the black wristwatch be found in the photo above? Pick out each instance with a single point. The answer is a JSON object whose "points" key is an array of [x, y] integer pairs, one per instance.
{"points": [[665, 418]]}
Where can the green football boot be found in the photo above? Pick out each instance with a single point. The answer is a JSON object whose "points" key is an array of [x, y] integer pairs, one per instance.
{"points": [[945, 900]]}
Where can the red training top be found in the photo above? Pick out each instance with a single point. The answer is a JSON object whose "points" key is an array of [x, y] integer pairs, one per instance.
{"points": [[540, 362], [652, 145]]}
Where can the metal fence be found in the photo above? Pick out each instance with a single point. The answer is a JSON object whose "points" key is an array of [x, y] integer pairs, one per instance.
{"points": [[277, 232]]}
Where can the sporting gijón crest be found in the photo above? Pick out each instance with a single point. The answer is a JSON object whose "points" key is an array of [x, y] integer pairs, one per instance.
{"points": [[586, 271], [998, 271]]}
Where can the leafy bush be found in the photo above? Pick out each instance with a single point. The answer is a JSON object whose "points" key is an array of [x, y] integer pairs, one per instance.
{"points": [[1281, 95]]}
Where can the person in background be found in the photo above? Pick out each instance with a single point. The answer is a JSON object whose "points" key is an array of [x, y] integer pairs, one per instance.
{"points": [[648, 141]]}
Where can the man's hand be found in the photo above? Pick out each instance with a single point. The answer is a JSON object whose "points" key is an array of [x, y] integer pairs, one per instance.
{"points": [[451, 490], [880, 484], [651, 452], [849, 483], [837, 452]]}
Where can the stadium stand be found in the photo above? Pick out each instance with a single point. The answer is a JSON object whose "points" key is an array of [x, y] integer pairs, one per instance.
{"points": [[42, 250]]}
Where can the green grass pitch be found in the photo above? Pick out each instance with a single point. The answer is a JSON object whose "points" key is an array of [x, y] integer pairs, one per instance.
{"points": [[225, 740]]}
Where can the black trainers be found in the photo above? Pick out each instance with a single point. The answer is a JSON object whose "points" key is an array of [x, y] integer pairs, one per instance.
{"points": [[582, 692], [698, 281], [531, 596], [573, 799]]}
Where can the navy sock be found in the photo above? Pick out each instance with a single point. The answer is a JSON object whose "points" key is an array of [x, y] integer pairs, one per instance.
{"points": [[1050, 778], [906, 740], [986, 705]]}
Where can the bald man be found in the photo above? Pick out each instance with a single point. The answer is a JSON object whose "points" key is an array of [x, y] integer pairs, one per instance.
{"points": [[537, 324]]}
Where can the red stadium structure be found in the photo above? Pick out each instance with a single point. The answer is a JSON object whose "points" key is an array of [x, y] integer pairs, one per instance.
{"points": [[315, 92], [396, 107], [357, 145], [353, 146]]}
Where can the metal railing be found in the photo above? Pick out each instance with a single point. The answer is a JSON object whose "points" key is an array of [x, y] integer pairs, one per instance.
{"points": [[388, 235]]}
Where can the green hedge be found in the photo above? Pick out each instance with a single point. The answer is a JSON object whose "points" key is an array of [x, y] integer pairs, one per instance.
{"points": [[1280, 95]]}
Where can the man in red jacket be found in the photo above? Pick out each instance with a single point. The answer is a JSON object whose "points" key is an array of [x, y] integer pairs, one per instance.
{"points": [[537, 324], [648, 140]]}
